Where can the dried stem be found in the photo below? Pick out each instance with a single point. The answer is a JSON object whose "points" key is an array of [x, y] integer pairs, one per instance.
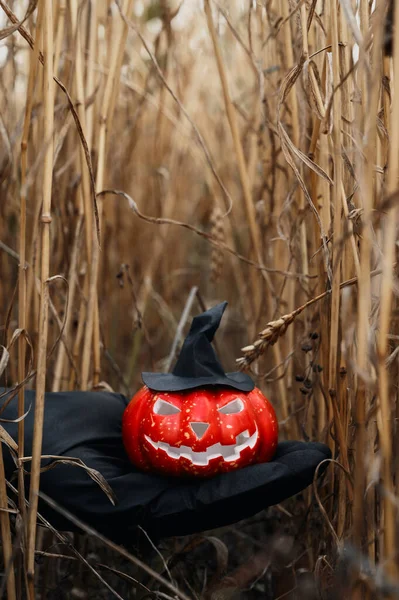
{"points": [[6, 533], [386, 299], [48, 129], [23, 266], [92, 326], [232, 119]]}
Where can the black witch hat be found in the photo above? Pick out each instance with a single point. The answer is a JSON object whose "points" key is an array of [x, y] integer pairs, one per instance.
{"points": [[198, 365]]}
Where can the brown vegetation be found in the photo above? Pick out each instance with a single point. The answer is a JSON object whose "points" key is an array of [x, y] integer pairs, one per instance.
{"points": [[246, 149]]}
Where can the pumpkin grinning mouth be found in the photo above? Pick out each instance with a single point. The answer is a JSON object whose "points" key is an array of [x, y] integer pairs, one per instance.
{"points": [[229, 452]]}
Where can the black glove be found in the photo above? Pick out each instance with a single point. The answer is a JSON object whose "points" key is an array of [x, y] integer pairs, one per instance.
{"points": [[87, 425]]}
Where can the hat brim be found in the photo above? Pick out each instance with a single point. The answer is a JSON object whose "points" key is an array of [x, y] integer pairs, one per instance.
{"points": [[167, 382]]}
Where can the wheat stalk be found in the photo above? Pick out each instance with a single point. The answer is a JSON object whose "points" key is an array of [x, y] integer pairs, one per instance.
{"points": [[277, 328]]}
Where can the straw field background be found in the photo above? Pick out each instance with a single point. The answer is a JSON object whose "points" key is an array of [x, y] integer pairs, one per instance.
{"points": [[158, 155]]}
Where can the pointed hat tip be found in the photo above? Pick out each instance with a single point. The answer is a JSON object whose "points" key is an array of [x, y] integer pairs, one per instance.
{"points": [[217, 309], [197, 364]]}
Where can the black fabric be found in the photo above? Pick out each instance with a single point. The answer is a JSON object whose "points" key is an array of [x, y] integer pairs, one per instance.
{"points": [[87, 425], [198, 365]]}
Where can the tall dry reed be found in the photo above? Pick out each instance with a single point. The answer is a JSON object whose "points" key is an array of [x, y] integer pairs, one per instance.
{"points": [[250, 153]]}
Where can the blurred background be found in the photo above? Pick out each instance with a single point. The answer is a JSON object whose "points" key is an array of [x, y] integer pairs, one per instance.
{"points": [[248, 151]]}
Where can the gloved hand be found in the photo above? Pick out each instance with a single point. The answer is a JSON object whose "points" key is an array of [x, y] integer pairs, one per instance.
{"points": [[87, 425]]}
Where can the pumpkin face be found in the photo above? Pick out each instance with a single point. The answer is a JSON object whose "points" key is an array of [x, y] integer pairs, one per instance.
{"points": [[199, 432]]}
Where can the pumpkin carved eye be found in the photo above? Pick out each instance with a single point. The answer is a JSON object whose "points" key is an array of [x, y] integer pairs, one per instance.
{"points": [[161, 407], [233, 407]]}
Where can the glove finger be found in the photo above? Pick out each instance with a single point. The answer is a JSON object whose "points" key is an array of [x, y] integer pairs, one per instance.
{"points": [[230, 497]]}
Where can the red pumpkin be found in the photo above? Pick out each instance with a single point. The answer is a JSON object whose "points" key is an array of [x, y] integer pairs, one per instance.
{"points": [[199, 432]]}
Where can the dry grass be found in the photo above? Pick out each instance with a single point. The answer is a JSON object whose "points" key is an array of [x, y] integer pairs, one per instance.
{"points": [[250, 150]]}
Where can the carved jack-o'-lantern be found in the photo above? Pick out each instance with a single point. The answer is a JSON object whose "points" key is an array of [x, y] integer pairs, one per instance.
{"points": [[199, 420], [200, 432]]}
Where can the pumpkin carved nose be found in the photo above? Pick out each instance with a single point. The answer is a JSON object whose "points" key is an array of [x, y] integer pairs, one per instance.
{"points": [[199, 428]]}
